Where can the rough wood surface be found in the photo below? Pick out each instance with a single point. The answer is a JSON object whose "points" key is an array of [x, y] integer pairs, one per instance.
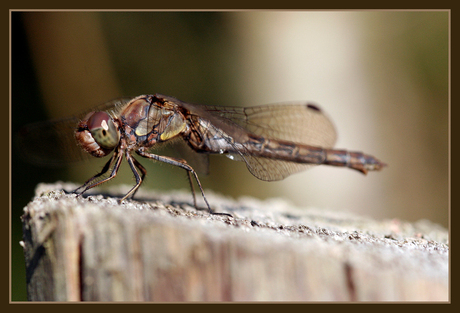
{"points": [[159, 248]]}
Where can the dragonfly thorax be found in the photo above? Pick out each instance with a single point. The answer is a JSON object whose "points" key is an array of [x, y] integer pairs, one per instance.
{"points": [[147, 121]]}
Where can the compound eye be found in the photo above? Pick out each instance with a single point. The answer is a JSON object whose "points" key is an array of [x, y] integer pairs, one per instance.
{"points": [[103, 130]]}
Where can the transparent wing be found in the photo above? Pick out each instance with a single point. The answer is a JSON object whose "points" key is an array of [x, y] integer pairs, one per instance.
{"points": [[52, 143], [301, 123]]}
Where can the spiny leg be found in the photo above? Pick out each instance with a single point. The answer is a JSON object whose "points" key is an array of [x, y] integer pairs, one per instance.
{"points": [[193, 189], [143, 171], [133, 164], [180, 163], [115, 161], [103, 171], [183, 164]]}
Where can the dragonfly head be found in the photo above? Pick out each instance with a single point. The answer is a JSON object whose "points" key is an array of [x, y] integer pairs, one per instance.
{"points": [[97, 134]]}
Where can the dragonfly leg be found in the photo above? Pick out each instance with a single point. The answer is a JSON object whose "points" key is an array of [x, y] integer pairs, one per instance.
{"points": [[113, 163], [189, 175], [134, 166], [143, 173], [103, 171], [183, 164]]}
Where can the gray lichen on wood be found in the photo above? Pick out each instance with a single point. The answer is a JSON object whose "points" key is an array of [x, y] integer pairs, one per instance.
{"points": [[159, 248]]}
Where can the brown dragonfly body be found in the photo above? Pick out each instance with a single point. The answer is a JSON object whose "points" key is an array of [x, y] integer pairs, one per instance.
{"points": [[274, 141]]}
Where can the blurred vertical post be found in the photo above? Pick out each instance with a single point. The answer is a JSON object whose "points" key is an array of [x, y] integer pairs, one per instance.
{"points": [[383, 79], [72, 63], [72, 60]]}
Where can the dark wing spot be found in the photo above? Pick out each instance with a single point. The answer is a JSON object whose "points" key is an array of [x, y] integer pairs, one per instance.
{"points": [[313, 107]]}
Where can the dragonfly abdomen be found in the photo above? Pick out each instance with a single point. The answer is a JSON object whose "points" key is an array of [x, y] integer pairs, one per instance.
{"points": [[285, 150], [354, 160], [305, 154]]}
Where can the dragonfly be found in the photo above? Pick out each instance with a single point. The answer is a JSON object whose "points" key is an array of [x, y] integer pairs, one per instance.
{"points": [[274, 141]]}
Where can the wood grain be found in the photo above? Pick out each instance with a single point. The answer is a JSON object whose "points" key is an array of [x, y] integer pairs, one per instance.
{"points": [[159, 248]]}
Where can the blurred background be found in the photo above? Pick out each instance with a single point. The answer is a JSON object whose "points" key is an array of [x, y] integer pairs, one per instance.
{"points": [[382, 77]]}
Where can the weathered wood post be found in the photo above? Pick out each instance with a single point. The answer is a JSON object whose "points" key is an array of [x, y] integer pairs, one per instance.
{"points": [[92, 249]]}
